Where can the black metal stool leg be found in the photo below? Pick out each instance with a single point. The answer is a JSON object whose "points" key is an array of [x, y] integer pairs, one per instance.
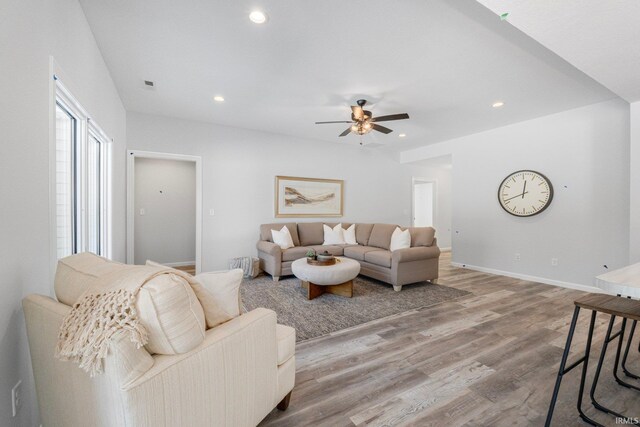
{"points": [[563, 370], [585, 365], [615, 366], [626, 353], [608, 338]]}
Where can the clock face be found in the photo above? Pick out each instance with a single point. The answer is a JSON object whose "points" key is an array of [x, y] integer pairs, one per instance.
{"points": [[525, 193]]}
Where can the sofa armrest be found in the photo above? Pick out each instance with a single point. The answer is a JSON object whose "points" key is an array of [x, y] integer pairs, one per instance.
{"points": [[230, 379], [269, 248], [415, 254]]}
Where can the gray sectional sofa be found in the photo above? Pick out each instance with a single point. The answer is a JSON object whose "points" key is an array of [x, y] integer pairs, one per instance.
{"points": [[401, 267]]}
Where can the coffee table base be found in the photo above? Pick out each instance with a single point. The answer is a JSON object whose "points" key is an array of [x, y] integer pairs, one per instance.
{"points": [[343, 289]]}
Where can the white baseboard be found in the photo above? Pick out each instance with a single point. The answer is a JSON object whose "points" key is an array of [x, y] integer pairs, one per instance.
{"points": [[178, 264], [529, 278], [445, 249]]}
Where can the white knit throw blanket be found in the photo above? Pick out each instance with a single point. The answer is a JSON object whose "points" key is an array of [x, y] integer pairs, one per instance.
{"points": [[101, 312]]}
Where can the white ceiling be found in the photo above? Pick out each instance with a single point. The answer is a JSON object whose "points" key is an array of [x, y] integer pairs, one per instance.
{"points": [[599, 37], [442, 62]]}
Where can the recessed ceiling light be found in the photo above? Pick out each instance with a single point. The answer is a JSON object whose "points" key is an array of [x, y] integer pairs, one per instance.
{"points": [[497, 104], [402, 135], [218, 98], [258, 17]]}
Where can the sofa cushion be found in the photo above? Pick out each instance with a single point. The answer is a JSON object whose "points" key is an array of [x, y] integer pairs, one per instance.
{"points": [[333, 236], [224, 286], [282, 238], [421, 236], [173, 316], [218, 293], [400, 239], [293, 254], [265, 231], [363, 231], [286, 339], [167, 305], [335, 250], [345, 225], [358, 252], [381, 258], [381, 235], [349, 234], [310, 233]]}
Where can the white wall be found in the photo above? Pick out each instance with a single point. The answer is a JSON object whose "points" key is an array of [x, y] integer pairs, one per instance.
{"points": [[584, 152], [166, 190], [239, 166], [634, 214], [31, 31]]}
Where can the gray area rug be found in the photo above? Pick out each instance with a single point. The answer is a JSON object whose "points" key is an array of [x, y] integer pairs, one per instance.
{"points": [[328, 313]]}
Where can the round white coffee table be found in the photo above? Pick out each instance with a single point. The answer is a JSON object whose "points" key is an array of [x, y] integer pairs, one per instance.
{"points": [[334, 279]]}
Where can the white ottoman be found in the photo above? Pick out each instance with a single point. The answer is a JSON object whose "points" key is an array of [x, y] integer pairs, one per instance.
{"points": [[334, 279]]}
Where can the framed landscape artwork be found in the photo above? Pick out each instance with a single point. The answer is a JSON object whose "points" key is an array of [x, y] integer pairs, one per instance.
{"points": [[308, 197]]}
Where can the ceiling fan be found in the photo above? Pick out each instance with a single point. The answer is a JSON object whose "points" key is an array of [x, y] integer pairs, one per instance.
{"points": [[363, 121]]}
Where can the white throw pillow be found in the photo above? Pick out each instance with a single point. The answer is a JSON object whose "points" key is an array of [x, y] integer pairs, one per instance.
{"points": [[333, 236], [400, 239], [350, 235], [282, 238], [225, 287]]}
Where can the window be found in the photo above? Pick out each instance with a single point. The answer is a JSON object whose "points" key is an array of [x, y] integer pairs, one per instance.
{"points": [[82, 179]]}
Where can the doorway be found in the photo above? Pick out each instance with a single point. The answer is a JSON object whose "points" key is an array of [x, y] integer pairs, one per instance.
{"points": [[423, 202], [164, 209]]}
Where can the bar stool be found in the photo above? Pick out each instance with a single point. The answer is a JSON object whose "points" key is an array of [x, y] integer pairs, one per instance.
{"points": [[615, 307]]}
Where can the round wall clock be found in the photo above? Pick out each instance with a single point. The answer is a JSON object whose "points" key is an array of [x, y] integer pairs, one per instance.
{"points": [[525, 193]]}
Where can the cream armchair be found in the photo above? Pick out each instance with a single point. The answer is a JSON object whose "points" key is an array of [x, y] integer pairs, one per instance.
{"points": [[242, 370]]}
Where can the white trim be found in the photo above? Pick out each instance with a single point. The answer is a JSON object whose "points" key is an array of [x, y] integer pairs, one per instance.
{"points": [[131, 156], [552, 282], [178, 264], [447, 249], [53, 229], [414, 181]]}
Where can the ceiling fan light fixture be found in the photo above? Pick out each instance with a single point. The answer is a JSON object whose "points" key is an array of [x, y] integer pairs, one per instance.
{"points": [[218, 98], [402, 135], [497, 104], [258, 17]]}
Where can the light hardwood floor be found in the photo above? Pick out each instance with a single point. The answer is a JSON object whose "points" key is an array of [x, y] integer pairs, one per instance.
{"points": [[191, 269], [487, 359]]}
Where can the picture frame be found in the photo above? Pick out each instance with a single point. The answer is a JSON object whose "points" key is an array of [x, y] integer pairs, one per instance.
{"points": [[308, 197]]}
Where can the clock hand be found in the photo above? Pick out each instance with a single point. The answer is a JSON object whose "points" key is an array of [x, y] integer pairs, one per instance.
{"points": [[524, 189], [518, 195]]}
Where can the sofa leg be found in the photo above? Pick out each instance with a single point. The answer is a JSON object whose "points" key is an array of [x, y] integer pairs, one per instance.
{"points": [[397, 288], [275, 278], [284, 404]]}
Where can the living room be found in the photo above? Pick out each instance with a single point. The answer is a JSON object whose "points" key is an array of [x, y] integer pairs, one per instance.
{"points": [[490, 88]]}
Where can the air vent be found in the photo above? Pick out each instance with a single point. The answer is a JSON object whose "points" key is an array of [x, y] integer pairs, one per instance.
{"points": [[148, 83]]}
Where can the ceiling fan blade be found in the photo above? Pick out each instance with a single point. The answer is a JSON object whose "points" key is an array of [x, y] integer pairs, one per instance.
{"points": [[381, 129], [390, 117], [358, 113], [339, 121], [346, 132]]}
